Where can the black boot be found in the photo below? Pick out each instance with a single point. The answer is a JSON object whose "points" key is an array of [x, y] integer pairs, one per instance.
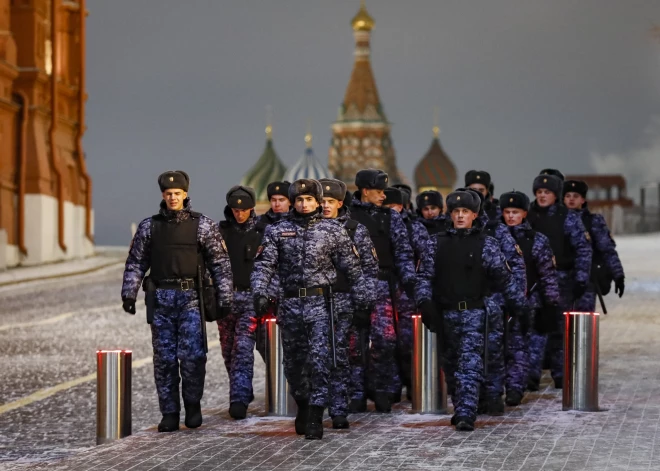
{"points": [[358, 405], [340, 422], [301, 416], [464, 424], [559, 383], [382, 402], [395, 398], [237, 410], [170, 423], [513, 398], [533, 384], [193, 415], [496, 406], [453, 419], [314, 429], [482, 406]]}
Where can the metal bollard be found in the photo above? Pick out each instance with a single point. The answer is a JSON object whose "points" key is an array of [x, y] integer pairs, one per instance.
{"points": [[279, 401], [113, 395], [580, 390], [429, 392]]}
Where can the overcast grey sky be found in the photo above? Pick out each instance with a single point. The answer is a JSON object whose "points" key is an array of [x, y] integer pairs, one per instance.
{"points": [[520, 85]]}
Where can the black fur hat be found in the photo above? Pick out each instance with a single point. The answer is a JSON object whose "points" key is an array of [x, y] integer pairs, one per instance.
{"points": [[278, 188], [333, 188], [514, 199], [576, 186], [463, 199], [429, 198], [306, 186], [241, 197], [173, 179], [549, 182], [477, 176], [348, 199], [393, 196], [553, 171], [371, 179]]}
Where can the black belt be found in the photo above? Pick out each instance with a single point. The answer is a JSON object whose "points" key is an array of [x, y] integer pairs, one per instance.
{"points": [[183, 284], [463, 305], [305, 292], [241, 288]]}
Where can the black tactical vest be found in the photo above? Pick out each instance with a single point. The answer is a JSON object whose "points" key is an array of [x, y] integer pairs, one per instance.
{"points": [[459, 271], [378, 226], [526, 243], [434, 226], [341, 285], [242, 248], [174, 248], [553, 228]]}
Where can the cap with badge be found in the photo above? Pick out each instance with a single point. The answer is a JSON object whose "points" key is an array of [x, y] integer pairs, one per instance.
{"points": [[477, 176], [371, 179], [464, 199], [514, 199], [576, 186], [429, 198], [306, 186], [173, 179], [241, 197], [548, 182], [278, 188], [333, 188]]}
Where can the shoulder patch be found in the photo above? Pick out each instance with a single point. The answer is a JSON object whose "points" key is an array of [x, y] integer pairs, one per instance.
{"points": [[224, 246], [587, 236], [508, 267], [288, 234], [374, 253], [519, 250], [259, 250], [554, 261], [355, 251]]}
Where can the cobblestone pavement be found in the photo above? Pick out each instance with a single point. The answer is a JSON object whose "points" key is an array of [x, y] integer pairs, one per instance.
{"points": [[58, 432]]}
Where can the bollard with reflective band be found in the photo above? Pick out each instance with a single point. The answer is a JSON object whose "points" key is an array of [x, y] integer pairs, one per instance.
{"points": [[279, 401], [580, 391], [113, 395], [429, 392]]}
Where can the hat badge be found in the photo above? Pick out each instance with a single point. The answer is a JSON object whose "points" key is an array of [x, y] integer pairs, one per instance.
{"points": [[426, 198], [302, 186], [458, 198], [171, 179], [478, 177], [277, 188], [239, 201], [327, 187], [573, 185], [510, 200], [385, 178], [545, 180]]}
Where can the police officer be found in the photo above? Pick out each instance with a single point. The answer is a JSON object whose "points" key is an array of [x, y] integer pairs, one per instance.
{"points": [[430, 209], [457, 272], [351, 324], [418, 237], [525, 352], [238, 329], [306, 251], [606, 265], [406, 190], [480, 180], [172, 244], [572, 251], [396, 261]]}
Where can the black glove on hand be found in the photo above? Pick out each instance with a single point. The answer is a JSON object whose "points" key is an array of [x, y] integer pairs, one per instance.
{"points": [[261, 304], [129, 305], [619, 286], [429, 315], [578, 290], [223, 312], [362, 319]]}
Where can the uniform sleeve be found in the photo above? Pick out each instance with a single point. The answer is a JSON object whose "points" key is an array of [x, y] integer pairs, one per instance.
{"points": [[499, 271], [404, 259], [265, 265], [545, 268], [138, 260], [420, 241], [345, 258], [513, 254], [606, 245], [216, 260], [579, 239], [367, 251], [426, 272]]}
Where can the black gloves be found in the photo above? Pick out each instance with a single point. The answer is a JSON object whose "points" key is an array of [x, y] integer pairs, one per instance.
{"points": [[429, 315], [362, 319], [619, 286], [261, 304], [129, 305], [223, 312], [578, 290]]}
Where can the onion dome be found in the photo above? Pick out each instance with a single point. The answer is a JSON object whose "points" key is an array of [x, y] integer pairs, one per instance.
{"points": [[268, 169], [435, 170], [363, 21], [308, 166]]}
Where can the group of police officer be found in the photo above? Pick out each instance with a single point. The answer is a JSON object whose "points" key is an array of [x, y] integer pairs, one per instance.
{"points": [[343, 275]]}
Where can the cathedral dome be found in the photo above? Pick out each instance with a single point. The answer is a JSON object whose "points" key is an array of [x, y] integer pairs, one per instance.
{"points": [[308, 166], [268, 169], [363, 21], [435, 170]]}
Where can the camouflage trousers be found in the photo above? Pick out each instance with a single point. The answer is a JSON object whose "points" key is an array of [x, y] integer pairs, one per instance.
{"points": [[237, 338], [340, 377], [555, 345], [406, 309], [517, 358], [494, 381], [176, 336]]}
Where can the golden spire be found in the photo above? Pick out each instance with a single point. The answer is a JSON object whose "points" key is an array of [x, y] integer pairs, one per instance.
{"points": [[308, 134], [362, 21], [269, 122], [436, 126]]}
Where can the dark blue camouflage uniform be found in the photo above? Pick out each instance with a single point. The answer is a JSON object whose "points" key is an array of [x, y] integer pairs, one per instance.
{"points": [[528, 363], [306, 250], [176, 328], [384, 375], [464, 330]]}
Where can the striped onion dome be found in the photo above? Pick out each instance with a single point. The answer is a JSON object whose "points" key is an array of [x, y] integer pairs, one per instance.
{"points": [[268, 169], [308, 166], [436, 168]]}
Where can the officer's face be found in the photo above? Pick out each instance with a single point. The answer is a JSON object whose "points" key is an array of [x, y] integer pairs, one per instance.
{"points": [[279, 204], [545, 197], [573, 200], [241, 215], [306, 204], [373, 196], [174, 198], [431, 211], [514, 216], [480, 188], [396, 207], [331, 207], [463, 218]]}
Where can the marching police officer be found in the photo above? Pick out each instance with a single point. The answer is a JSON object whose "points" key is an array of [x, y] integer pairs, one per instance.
{"points": [[396, 261], [430, 211], [571, 247], [238, 329], [457, 272], [174, 244], [351, 325], [480, 180], [525, 353], [306, 251], [606, 265]]}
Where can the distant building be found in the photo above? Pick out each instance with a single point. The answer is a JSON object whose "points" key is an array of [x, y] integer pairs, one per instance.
{"points": [[605, 191], [45, 190], [435, 171], [308, 165]]}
